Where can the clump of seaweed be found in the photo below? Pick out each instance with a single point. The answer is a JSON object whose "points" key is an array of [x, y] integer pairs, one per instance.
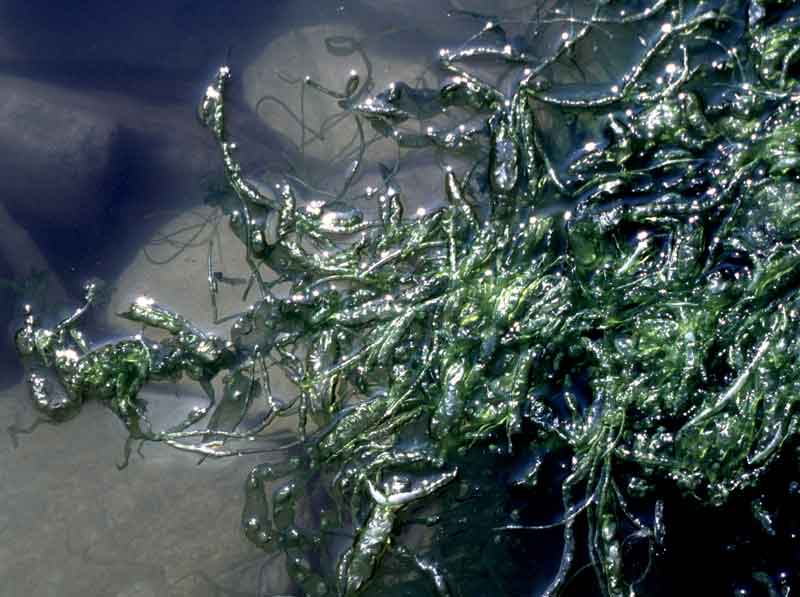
{"points": [[622, 327]]}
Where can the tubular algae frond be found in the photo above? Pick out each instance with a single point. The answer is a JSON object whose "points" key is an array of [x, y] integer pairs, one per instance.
{"points": [[624, 322]]}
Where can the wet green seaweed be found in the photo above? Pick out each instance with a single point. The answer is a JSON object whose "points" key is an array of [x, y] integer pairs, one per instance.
{"points": [[620, 330]]}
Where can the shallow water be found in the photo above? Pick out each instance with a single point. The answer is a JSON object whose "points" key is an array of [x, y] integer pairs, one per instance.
{"points": [[103, 155], [106, 175]]}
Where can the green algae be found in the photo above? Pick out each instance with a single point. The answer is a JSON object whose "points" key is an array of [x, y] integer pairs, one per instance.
{"points": [[643, 341]]}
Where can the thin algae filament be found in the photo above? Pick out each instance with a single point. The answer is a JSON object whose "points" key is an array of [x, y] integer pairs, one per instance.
{"points": [[574, 349]]}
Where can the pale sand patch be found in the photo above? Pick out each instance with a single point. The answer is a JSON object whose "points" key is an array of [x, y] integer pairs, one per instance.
{"points": [[273, 87], [172, 268], [74, 525]]}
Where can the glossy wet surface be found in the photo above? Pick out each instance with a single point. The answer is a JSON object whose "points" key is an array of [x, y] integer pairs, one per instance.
{"points": [[103, 158], [108, 174]]}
